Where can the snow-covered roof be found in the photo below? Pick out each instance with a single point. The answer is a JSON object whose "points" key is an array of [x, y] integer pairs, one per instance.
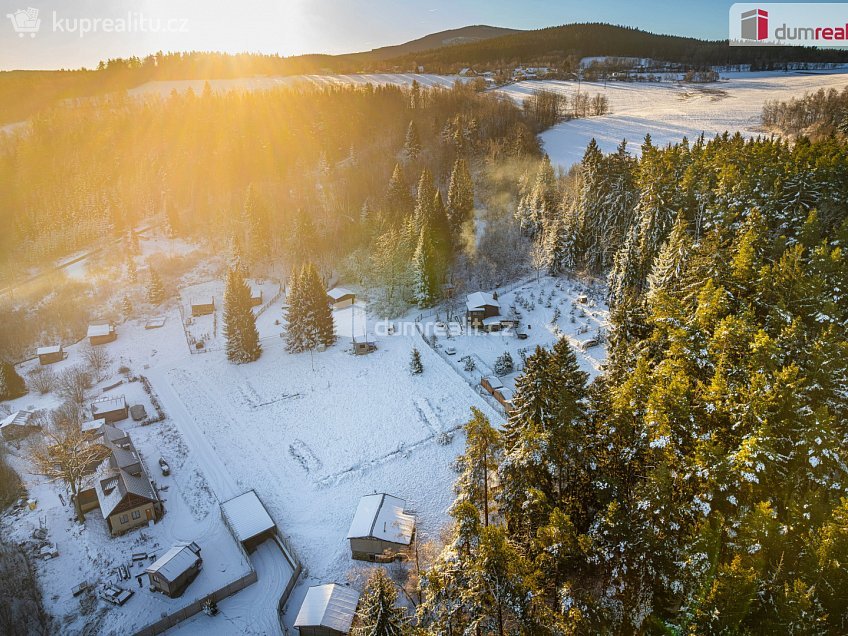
{"points": [[201, 302], [99, 330], [18, 418], [247, 516], [106, 405], [478, 300], [46, 351], [112, 485], [381, 516], [174, 562], [494, 382], [492, 320], [337, 293], [332, 606], [506, 394], [94, 425]]}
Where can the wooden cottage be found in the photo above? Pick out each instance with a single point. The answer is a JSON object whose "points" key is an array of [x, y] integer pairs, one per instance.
{"points": [[175, 570], [381, 530], [203, 306], [339, 297], [327, 610], [111, 409], [480, 306], [51, 354], [101, 333], [18, 425]]}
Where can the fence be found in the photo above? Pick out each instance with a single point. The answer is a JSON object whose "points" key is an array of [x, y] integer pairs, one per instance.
{"points": [[167, 622]]}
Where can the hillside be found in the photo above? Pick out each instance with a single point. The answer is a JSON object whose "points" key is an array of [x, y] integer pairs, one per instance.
{"points": [[452, 37]]}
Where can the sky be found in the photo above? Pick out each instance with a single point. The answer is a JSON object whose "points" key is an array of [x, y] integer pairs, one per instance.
{"points": [[69, 35]]}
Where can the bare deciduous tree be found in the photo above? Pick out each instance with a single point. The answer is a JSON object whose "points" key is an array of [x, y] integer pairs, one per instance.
{"points": [[98, 360], [65, 454], [41, 380], [72, 384]]}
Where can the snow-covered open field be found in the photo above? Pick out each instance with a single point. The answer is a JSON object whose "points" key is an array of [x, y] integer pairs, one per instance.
{"points": [[669, 110]]}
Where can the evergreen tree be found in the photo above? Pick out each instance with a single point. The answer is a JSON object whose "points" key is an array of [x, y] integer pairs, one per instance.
{"points": [[132, 270], [310, 319], [126, 306], [670, 263], [12, 385], [412, 143], [399, 202], [416, 367], [425, 271], [239, 321], [460, 195], [425, 199], [378, 613], [479, 464], [257, 226], [155, 289]]}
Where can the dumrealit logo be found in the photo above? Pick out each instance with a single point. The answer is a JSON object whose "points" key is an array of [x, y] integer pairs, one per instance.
{"points": [[789, 24]]}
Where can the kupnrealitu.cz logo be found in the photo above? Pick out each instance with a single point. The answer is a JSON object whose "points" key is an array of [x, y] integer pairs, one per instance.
{"points": [[789, 24], [25, 21]]}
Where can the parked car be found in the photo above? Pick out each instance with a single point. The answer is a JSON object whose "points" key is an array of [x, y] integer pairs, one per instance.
{"points": [[450, 351], [166, 470]]}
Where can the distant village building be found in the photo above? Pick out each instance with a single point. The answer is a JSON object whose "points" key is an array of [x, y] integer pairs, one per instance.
{"points": [[121, 487], [101, 333], [480, 306], [175, 570], [18, 425], [339, 297], [111, 409], [51, 354], [248, 520], [255, 296], [203, 307], [381, 530], [327, 610]]}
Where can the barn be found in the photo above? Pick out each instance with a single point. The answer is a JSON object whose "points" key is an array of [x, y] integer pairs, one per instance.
{"points": [[248, 520], [339, 297], [18, 425], [203, 306], [101, 333], [381, 530], [51, 354], [173, 571], [111, 409], [327, 610]]}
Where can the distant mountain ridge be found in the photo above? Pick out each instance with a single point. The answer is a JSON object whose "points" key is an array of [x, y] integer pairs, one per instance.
{"points": [[451, 37]]}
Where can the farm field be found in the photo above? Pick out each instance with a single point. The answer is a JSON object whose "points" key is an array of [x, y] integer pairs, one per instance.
{"points": [[670, 111]]}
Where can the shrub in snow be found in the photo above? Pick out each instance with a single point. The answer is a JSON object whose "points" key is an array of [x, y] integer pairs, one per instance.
{"points": [[41, 380], [444, 438], [504, 364], [469, 364], [416, 367]]}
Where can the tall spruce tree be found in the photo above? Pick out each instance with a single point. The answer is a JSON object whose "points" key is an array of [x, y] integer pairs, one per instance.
{"points": [[399, 201], [378, 613], [155, 289], [309, 319], [460, 196], [12, 385], [425, 271], [412, 143], [239, 322]]}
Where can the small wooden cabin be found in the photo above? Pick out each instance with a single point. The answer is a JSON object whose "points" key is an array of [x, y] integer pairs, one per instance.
{"points": [[255, 296], [479, 306], [339, 297], [203, 306], [51, 354], [380, 531], [111, 409], [327, 610], [175, 570], [18, 425], [101, 333], [491, 383]]}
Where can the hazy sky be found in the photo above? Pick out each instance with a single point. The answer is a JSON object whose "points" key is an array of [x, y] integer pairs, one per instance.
{"points": [[291, 27]]}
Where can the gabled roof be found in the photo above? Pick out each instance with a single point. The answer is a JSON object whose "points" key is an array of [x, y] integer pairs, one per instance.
{"points": [[381, 516], [246, 516], [198, 302], [113, 485], [18, 418], [174, 562], [337, 293], [494, 382], [478, 300], [332, 606], [506, 394], [96, 426], [105, 405]]}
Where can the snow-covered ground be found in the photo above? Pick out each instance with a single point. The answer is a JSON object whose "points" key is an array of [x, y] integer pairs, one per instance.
{"points": [[163, 88], [669, 110], [311, 433]]}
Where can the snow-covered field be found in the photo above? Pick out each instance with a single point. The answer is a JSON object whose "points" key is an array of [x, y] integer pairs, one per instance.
{"points": [[163, 88], [669, 110]]}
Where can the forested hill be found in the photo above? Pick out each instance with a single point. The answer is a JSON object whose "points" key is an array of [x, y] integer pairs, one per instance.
{"points": [[555, 45]]}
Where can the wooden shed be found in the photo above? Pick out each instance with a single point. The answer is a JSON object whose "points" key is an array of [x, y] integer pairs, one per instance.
{"points": [[327, 610], [491, 383], [339, 297], [381, 530], [111, 409], [175, 570], [101, 333], [248, 520], [504, 396], [18, 425], [51, 354], [203, 306]]}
